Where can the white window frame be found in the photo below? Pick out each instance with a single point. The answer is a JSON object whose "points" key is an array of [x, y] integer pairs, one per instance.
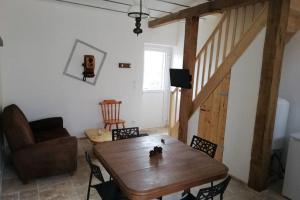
{"points": [[168, 51]]}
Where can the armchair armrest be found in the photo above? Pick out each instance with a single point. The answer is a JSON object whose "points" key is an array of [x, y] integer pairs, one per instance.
{"points": [[47, 158], [46, 124]]}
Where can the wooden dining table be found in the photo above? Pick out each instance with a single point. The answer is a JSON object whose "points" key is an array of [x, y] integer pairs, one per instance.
{"points": [[141, 177]]}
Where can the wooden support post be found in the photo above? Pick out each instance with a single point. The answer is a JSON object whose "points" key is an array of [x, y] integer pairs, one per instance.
{"points": [[268, 93], [189, 57]]}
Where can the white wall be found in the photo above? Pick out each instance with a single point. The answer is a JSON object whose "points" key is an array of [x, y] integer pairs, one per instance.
{"points": [[39, 35], [206, 27], [290, 81], [242, 103]]}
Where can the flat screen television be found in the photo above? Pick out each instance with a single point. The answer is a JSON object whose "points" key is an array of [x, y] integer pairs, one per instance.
{"points": [[180, 78]]}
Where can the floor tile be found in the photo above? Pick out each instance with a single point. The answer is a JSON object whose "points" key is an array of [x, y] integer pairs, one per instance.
{"points": [[13, 196], [29, 194], [14, 185], [66, 187], [58, 191]]}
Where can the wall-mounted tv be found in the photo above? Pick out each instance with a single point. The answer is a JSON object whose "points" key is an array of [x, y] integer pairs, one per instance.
{"points": [[181, 78]]}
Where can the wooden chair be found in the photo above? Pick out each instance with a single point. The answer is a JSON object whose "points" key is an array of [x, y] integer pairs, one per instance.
{"points": [[108, 190], [111, 113], [210, 192]]}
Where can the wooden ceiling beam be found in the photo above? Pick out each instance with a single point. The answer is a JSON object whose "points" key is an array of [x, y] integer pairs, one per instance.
{"points": [[200, 10]]}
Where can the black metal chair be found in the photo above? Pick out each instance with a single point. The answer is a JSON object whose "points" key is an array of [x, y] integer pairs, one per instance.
{"points": [[204, 145], [125, 133], [210, 192], [107, 190]]}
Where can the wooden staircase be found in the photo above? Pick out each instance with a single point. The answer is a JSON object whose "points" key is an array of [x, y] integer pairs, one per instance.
{"points": [[236, 30]]}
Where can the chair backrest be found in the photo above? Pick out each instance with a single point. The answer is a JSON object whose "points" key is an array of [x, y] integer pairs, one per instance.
{"points": [[210, 192], [125, 133], [16, 128], [110, 109], [204, 145], [95, 170]]}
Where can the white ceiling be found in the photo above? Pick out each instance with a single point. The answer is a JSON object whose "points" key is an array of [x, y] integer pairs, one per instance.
{"points": [[153, 5]]}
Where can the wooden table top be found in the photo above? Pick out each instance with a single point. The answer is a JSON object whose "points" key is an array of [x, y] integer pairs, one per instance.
{"points": [[96, 135], [141, 178]]}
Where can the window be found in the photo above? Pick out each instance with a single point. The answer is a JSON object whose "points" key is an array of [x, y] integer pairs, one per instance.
{"points": [[155, 61]]}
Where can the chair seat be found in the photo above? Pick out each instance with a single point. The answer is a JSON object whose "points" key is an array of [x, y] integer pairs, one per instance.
{"points": [[188, 196], [114, 121], [109, 191]]}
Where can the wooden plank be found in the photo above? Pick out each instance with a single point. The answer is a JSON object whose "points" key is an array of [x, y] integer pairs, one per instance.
{"points": [[234, 28], [295, 5], [227, 27], [204, 67], [212, 117], [200, 10], [212, 46], [268, 93], [294, 21], [189, 56], [198, 74], [144, 178], [219, 46], [244, 19], [226, 66], [171, 109]]}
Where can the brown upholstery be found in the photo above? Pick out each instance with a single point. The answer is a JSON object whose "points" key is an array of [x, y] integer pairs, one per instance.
{"points": [[15, 121], [51, 134], [39, 148]]}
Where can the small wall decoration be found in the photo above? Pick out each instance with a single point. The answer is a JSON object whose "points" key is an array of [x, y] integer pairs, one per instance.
{"points": [[85, 62], [88, 67], [124, 65]]}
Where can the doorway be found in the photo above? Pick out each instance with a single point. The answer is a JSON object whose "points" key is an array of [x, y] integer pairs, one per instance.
{"points": [[157, 61]]}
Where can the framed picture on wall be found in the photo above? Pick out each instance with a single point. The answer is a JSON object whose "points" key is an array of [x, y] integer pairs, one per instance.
{"points": [[74, 67]]}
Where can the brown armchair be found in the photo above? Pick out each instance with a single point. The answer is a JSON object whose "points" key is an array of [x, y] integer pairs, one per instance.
{"points": [[40, 148]]}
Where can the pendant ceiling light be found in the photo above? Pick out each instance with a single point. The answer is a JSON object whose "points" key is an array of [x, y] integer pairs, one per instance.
{"points": [[138, 11]]}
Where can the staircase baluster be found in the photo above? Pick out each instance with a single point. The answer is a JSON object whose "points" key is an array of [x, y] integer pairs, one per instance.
{"points": [[244, 19], [197, 77], [226, 35], [204, 67], [234, 29], [211, 57], [218, 46]]}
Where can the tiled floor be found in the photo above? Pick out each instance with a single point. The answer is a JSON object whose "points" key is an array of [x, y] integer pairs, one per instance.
{"points": [[66, 187]]}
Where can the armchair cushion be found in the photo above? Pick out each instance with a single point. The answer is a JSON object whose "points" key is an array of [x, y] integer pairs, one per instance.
{"points": [[47, 158], [42, 136], [46, 124]]}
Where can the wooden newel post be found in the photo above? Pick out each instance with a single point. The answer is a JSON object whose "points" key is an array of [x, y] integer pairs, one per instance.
{"points": [[268, 92], [189, 57]]}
